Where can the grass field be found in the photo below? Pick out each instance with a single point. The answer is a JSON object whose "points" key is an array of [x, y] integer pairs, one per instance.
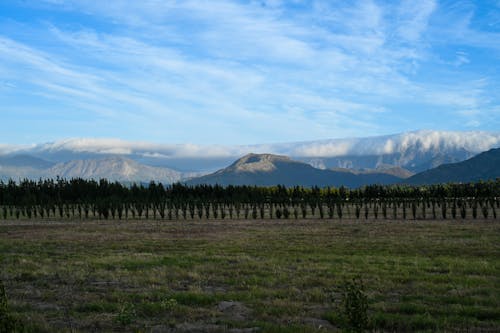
{"points": [[247, 276]]}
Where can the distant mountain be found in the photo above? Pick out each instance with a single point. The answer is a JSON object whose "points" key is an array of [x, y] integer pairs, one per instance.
{"points": [[22, 166], [269, 170], [411, 159], [114, 169], [393, 171], [25, 161], [415, 151], [16, 173], [484, 166]]}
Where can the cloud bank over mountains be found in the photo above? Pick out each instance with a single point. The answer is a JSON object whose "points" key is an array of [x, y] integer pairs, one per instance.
{"points": [[398, 155], [419, 141]]}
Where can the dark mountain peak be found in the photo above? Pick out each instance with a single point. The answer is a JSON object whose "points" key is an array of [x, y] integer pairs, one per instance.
{"points": [[484, 166], [270, 170]]}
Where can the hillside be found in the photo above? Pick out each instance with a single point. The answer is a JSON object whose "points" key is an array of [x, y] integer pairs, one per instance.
{"points": [[114, 169], [269, 170], [484, 166], [393, 171], [25, 161]]}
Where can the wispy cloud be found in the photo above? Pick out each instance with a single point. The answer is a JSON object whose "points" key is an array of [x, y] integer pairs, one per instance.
{"points": [[413, 18], [248, 71]]}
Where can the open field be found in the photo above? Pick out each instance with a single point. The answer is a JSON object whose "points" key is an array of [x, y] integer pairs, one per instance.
{"points": [[237, 276]]}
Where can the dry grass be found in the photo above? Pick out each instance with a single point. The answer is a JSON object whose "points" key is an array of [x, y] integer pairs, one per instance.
{"points": [[283, 276]]}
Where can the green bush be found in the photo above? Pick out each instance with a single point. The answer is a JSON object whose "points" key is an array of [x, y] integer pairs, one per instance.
{"points": [[352, 310], [169, 304], [127, 314]]}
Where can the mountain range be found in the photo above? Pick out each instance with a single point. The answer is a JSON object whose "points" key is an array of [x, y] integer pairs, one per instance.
{"points": [[415, 151], [115, 168], [383, 159], [269, 170], [484, 166]]}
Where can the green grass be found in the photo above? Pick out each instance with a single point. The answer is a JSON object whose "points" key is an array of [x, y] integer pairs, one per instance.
{"points": [[134, 276]]}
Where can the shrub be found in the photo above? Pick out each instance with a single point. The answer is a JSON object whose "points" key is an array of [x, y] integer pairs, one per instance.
{"points": [[286, 213], [352, 311], [339, 210], [463, 210], [331, 211], [303, 209], [223, 212], [474, 209], [169, 304], [484, 210], [126, 315], [254, 212]]}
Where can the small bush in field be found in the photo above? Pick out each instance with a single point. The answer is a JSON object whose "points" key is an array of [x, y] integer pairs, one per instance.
{"points": [[352, 310], [127, 314], [169, 304]]}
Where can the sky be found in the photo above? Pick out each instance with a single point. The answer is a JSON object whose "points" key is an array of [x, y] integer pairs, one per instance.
{"points": [[246, 72]]}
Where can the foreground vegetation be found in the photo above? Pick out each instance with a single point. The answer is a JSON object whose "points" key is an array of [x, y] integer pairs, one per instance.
{"points": [[251, 275]]}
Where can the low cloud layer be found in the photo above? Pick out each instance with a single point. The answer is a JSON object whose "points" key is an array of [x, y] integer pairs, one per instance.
{"points": [[423, 141]]}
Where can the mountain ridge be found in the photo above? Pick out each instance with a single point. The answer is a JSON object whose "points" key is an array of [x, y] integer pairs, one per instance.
{"points": [[113, 168], [482, 167], [269, 170]]}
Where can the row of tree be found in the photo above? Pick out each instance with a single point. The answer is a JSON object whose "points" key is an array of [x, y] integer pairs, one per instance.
{"points": [[79, 198]]}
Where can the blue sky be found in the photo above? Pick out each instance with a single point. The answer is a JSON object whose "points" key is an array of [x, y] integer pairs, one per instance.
{"points": [[245, 72]]}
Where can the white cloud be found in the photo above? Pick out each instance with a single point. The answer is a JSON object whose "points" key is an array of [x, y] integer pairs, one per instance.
{"points": [[473, 141], [461, 59], [473, 123], [413, 18], [243, 69], [8, 148]]}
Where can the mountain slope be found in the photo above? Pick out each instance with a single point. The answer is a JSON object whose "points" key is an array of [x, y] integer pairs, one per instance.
{"points": [[24, 161], [411, 159], [114, 169], [484, 166], [269, 170]]}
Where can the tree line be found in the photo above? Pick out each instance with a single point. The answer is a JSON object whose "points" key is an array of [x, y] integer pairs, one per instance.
{"points": [[86, 199]]}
